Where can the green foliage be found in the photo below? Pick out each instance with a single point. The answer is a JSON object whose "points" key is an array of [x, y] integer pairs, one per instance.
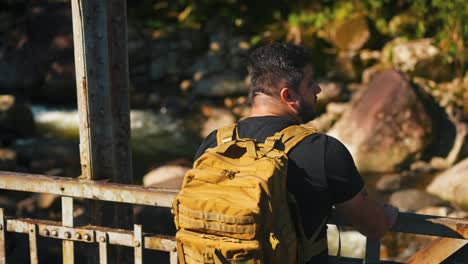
{"points": [[444, 21]]}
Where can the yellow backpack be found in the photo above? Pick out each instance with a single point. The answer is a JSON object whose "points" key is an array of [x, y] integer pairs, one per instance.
{"points": [[234, 207]]}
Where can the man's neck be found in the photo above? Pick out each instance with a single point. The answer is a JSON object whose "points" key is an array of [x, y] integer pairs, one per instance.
{"points": [[264, 105]]}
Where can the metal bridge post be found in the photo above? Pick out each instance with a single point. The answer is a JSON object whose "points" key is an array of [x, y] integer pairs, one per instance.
{"points": [[101, 66], [67, 221], [2, 237], [372, 251]]}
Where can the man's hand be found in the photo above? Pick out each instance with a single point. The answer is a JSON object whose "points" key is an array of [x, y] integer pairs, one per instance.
{"points": [[367, 215]]}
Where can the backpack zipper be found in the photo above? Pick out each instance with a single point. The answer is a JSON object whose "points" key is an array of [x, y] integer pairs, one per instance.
{"points": [[263, 182]]}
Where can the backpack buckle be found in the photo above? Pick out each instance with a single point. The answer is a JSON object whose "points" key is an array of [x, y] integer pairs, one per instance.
{"points": [[273, 241]]}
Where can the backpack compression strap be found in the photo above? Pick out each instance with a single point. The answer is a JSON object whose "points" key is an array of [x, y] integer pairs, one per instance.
{"points": [[288, 137], [226, 134]]}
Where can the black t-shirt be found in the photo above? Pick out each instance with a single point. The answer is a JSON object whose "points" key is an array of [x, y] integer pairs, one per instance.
{"points": [[321, 171]]}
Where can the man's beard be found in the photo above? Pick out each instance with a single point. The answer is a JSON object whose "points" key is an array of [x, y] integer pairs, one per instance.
{"points": [[306, 112]]}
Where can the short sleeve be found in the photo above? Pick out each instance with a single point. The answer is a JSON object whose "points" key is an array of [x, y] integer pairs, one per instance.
{"points": [[344, 180], [208, 142]]}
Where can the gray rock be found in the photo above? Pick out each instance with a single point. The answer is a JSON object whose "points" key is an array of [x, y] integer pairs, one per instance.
{"points": [[168, 176], [331, 92], [452, 185], [217, 117], [228, 83], [413, 200], [386, 126], [389, 182], [7, 159], [417, 57]]}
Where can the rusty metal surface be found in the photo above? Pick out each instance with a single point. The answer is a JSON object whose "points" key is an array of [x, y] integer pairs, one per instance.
{"points": [[173, 258], [458, 225], [78, 43], [437, 251], [100, 44], [67, 221], [32, 230], [119, 90], [51, 229], [423, 225], [2, 237], [90, 234], [160, 242], [97, 190], [103, 246], [138, 244]]}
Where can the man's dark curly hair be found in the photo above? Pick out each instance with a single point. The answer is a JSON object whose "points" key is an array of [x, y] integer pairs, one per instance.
{"points": [[274, 65]]}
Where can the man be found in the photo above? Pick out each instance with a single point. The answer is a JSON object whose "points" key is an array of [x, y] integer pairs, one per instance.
{"points": [[321, 171]]}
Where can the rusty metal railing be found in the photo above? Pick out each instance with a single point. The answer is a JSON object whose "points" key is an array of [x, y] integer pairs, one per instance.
{"points": [[452, 233], [68, 189]]}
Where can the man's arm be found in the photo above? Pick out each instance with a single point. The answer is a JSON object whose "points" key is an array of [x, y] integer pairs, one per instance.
{"points": [[367, 215]]}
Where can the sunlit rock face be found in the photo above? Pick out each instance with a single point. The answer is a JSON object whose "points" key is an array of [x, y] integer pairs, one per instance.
{"points": [[418, 58], [452, 185], [386, 126], [167, 176]]}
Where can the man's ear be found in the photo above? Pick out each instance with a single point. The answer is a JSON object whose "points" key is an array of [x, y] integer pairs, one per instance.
{"points": [[289, 96]]}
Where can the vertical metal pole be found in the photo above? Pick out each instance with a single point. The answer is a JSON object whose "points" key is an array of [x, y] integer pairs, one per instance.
{"points": [[67, 220], [33, 243], [102, 238], [101, 65], [173, 257], [138, 244], [2, 237], [372, 251]]}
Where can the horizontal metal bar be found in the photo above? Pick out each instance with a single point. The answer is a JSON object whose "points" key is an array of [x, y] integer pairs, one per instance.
{"points": [[346, 260], [51, 229], [91, 234], [96, 190], [431, 225], [437, 251], [423, 225]]}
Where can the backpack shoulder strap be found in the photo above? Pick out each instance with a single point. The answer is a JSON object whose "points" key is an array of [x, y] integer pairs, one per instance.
{"points": [[292, 135], [289, 137], [226, 134]]}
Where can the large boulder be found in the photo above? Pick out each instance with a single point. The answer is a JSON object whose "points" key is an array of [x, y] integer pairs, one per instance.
{"points": [[217, 117], [418, 58], [220, 85], [386, 126], [331, 92], [167, 176], [452, 185], [413, 200]]}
